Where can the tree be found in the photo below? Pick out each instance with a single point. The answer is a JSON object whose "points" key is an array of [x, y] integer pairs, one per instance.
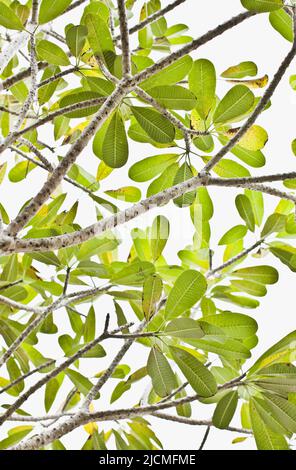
{"points": [[90, 85]]}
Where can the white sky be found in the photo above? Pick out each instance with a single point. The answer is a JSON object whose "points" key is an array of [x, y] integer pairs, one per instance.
{"points": [[253, 40]]}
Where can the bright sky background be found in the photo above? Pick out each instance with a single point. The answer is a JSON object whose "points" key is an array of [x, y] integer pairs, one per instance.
{"points": [[253, 40]]}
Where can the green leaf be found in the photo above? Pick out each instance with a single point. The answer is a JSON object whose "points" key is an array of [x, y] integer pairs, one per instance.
{"points": [[89, 330], [183, 174], [99, 85], [293, 146], [99, 36], [236, 103], [150, 167], [265, 438], [154, 124], [134, 273], [115, 145], [261, 274], [164, 181], [97, 246], [198, 376], [8, 18], [257, 202], [173, 97], [283, 410], [235, 233], [126, 194], [221, 344], [267, 416], [235, 325], [242, 70], [249, 287], [262, 6], [16, 434], [202, 83], [51, 53], [225, 410], [51, 390], [188, 289], [162, 376], [79, 97], [82, 383], [20, 171], [275, 223], [254, 139], [47, 257], [75, 38], [279, 352], [253, 158], [184, 328], [282, 23], [51, 9], [159, 236], [245, 210], [145, 35], [152, 290], [97, 8], [230, 169], [172, 74], [46, 92], [286, 253]]}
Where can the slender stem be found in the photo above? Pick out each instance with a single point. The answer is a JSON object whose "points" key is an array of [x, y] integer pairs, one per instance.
{"points": [[74, 5], [18, 77], [44, 167], [195, 422], [11, 284], [59, 112], [64, 365], [59, 75], [29, 374], [203, 442], [151, 18], [236, 258]]}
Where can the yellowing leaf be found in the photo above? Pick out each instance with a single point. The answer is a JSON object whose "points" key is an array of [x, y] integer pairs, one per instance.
{"points": [[241, 70], [126, 193], [90, 428], [255, 83]]}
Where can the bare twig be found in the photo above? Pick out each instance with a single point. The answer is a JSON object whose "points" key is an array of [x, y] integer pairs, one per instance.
{"points": [[29, 374]]}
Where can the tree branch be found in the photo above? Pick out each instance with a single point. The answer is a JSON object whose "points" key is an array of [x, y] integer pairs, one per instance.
{"points": [[151, 18], [64, 365], [17, 305], [124, 36], [83, 417], [8, 244], [60, 171], [194, 422]]}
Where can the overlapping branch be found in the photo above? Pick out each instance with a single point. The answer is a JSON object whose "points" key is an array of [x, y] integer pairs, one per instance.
{"points": [[9, 243]]}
